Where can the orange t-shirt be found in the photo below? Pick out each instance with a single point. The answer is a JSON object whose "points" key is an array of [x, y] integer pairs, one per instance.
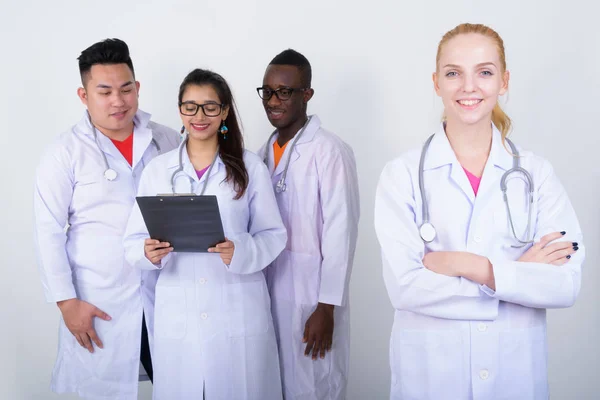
{"points": [[125, 147], [278, 151]]}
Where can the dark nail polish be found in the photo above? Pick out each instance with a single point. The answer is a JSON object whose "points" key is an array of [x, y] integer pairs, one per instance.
{"points": [[568, 257], [575, 248], [563, 232], [575, 244]]}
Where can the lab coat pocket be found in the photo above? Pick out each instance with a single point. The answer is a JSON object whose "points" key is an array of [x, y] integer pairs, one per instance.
{"points": [[170, 312], [247, 305], [429, 365], [90, 186], [522, 364]]}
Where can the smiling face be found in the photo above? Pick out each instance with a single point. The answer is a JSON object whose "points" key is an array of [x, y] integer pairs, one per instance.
{"points": [[470, 77], [111, 97], [199, 126], [283, 114]]}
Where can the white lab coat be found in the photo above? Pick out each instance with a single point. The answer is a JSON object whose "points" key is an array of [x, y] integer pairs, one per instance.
{"points": [[87, 260], [320, 210], [453, 338], [213, 329]]}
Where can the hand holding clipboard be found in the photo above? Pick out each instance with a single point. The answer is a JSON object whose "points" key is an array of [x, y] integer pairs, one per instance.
{"points": [[187, 223]]}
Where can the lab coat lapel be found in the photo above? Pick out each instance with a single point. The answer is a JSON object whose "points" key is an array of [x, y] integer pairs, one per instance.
{"points": [[440, 153], [182, 181], [104, 144], [294, 152], [142, 136], [499, 160], [113, 155], [192, 176], [290, 152]]}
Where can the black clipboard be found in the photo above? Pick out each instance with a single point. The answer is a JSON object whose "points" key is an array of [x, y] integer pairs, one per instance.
{"points": [[189, 223]]}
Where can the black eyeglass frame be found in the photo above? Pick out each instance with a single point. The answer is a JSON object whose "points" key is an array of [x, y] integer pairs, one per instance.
{"points": [[277, 92], [200, 106]]}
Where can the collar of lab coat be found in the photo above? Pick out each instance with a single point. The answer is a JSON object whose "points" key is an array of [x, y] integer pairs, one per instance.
{"points": [[141, 140], [188, 167], [440, 152], [308, 135]]}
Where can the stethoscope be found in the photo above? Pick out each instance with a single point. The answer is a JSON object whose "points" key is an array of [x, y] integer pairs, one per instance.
{"points": [[427, 230], [109, 173], [281, 185], [180, 169]]}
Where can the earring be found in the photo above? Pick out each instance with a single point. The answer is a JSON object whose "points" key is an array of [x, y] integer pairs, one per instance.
{"points": [[223, 129], [182, 129]]}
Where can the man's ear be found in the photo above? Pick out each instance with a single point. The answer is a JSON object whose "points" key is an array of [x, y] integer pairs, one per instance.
{"points": [[308, 94], [82, 94]]}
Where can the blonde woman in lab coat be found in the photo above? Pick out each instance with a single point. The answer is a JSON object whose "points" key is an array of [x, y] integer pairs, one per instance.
{"points": [[214, 334], [470, 319]]}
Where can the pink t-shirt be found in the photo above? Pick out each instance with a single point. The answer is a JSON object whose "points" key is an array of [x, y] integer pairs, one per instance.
{"points": [[201, 172], [473, 180]]}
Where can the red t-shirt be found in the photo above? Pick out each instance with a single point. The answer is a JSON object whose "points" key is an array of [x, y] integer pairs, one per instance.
{"points": [[126, 148]]}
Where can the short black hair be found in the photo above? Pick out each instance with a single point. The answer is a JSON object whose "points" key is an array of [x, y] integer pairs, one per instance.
{"points": [[292, 57], [106, 52]]}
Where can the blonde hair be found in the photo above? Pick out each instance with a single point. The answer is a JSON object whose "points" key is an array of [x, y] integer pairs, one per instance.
{"points": [[499, 117]]}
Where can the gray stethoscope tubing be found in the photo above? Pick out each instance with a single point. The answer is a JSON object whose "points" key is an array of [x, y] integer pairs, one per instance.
{"points": [[427, 230], [180, 169], [281, 185], [517, 168], [109, 173]]}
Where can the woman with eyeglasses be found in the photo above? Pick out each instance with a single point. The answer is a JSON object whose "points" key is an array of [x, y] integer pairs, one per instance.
{"points": [[213, 331]]}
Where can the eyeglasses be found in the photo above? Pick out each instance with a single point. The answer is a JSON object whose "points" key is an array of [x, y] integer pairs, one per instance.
{"points": [[283, 93], [190, 109]]}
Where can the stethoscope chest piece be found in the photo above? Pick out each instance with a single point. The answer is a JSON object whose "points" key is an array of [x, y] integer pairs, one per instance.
{"points": [[110, 174], [427, 232], [281, 186]]}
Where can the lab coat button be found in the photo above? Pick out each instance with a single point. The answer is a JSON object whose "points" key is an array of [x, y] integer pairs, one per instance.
{"points": [[202, 281], [477, 239], [204, 315], [484, 374], [482, 327]]}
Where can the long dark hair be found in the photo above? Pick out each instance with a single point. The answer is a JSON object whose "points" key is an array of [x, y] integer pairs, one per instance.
{"points": [[231, 150]]}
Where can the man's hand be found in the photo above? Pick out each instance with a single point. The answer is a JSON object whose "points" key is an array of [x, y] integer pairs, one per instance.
{"points": [[79, 319], [318, 331]]}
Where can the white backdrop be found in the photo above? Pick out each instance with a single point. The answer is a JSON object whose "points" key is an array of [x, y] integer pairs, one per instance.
{"points": [[372, 64]]}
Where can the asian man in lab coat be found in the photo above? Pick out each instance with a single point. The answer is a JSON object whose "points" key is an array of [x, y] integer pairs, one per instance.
{"points": [[314, 176], [87, 182]]}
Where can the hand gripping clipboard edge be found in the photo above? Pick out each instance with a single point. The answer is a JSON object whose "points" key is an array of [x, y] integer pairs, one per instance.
{"points": [[190, 223]]}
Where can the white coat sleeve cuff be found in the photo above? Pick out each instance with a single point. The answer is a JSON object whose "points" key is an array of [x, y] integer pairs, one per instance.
{"points": [[505, 276], [331, 300], [65, 292], [145, 264]]}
